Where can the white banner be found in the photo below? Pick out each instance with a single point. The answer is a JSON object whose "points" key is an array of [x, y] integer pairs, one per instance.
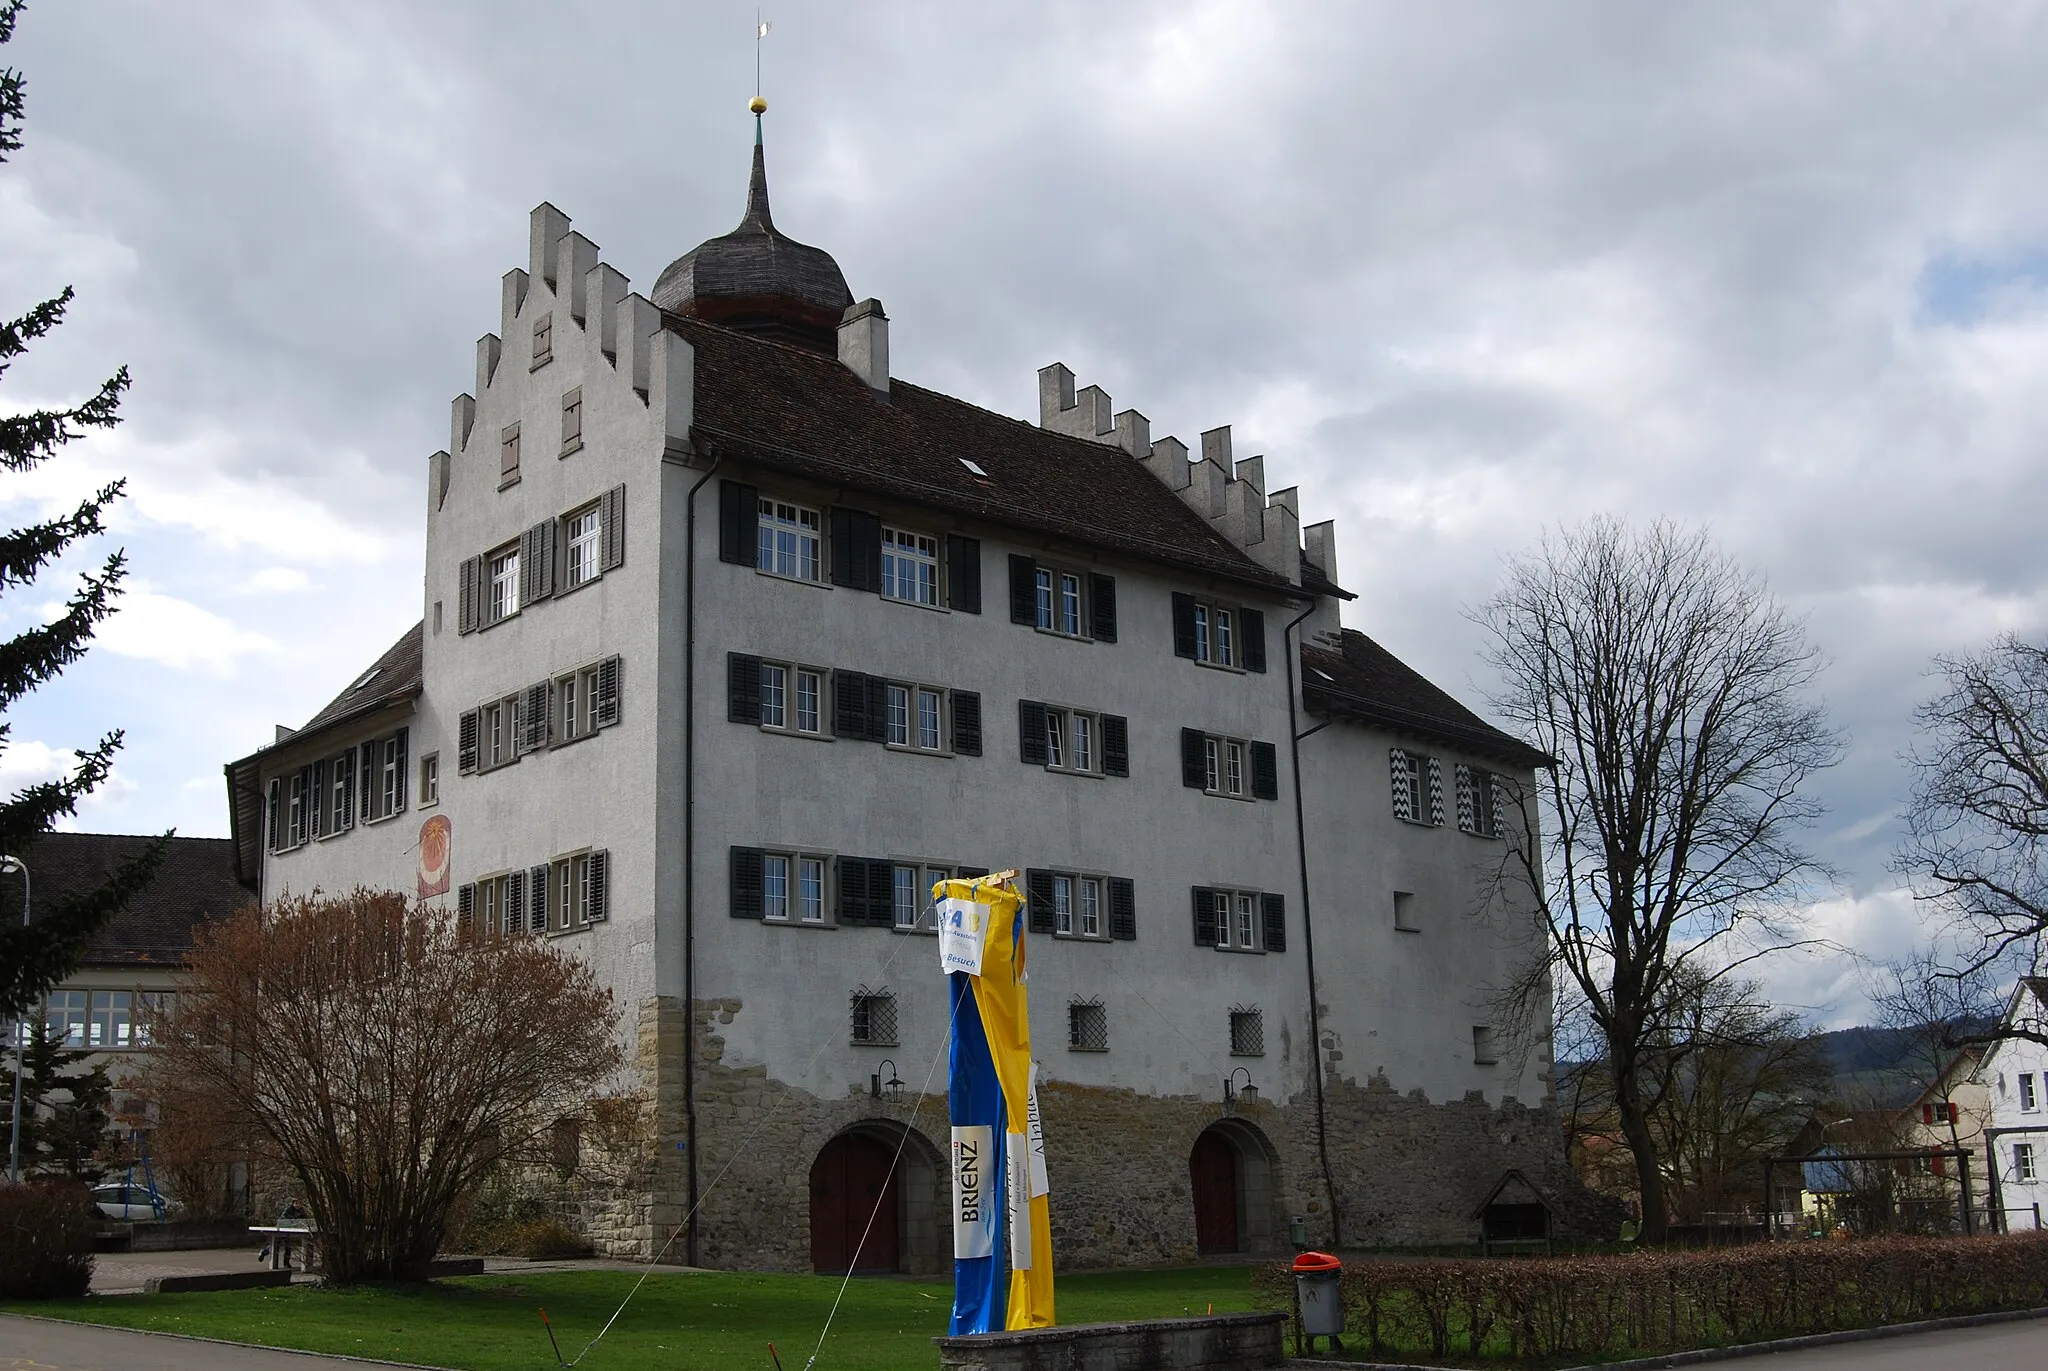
{"points": [[974, 1229], [1017, 1198], [1035, 1137], [961, 927]]}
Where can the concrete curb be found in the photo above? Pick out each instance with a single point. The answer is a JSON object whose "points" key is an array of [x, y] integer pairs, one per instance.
{"points": [[216, 1280], [1711, 1354]]}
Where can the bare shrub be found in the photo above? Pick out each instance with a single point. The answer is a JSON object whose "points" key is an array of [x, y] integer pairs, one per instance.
{"points": [[46, 1230]]}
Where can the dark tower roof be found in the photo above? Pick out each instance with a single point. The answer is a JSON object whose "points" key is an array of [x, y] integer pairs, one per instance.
{"points": [[758, 280]]}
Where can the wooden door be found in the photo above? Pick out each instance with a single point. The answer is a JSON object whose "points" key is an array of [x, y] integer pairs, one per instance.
{"points": [[1212, 1166], [854, 1178]]}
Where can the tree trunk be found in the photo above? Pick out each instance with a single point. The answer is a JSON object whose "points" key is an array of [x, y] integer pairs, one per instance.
{"points": [[1635, 1128]]}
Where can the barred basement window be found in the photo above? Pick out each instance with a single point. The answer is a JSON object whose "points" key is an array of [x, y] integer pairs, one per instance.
{"points": [[1247, 1031], [874, 1017], [1087, 1027]]}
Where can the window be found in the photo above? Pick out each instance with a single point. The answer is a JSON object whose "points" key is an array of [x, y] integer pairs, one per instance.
{"points": [[928, 719], [508, 456], [2023, 1161], [113, 1019], [1063, 905], [899, 715], [775, 888], [1087, 1027], [390, 794], [1240, 920], [65, 1015], [340, 789], [873, 1018], [910, 566], [1236, 768], [1045, 605], [1222, 635], [914, 717], [500, 904], [808, 688], [430, 779], [1478, 802], [774, 696], [572, 421], [1090, 891], [1074, 740], [788, 543], [910, 894], [1213, 639], [2029, 1101], [585, 537], [298, 807], [1072, 904], [1247, 1031], [544, 339], [1418, 787], [1482, 1046], [793, 888], [503, 601], [1074, 604], [1404, 912], [1237, 925], [500, 733], [1055, 739], [586, 700], [1070, 605]]}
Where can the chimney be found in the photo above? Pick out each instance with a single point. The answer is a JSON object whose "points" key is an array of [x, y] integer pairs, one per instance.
{"points": [[864, 344]]}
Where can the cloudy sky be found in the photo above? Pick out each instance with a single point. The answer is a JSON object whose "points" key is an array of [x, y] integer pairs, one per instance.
{"points": [[1461, 272]]}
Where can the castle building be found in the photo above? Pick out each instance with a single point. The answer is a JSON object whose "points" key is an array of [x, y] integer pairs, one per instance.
{"points": [[733, 643]]}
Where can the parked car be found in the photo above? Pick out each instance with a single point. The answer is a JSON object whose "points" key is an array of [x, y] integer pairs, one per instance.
{"points": [[131, 1203]]}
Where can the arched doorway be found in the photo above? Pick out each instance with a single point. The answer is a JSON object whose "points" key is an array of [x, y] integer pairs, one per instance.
{"points": [[1232, 1177], [876, 1202]]}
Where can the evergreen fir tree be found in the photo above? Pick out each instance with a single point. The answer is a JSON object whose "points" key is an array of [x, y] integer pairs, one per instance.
{"points": [[34, 959], [65, 1111]]}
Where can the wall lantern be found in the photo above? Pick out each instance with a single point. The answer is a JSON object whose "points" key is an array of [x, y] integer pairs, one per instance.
{"points": [[890, 1089], [1237, 1092]]}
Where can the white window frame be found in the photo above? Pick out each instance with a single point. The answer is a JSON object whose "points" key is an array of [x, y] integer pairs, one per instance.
{"points": [[1073, 741], [774, 695], [1216, 636], [501, 584], [2030, 1098], [1063, 904], [806, 898], [1226, 766], [497, 733], [66, 1015], [110, 1020], [903, 717], [389, 791], [583, 547], [298, 819], [430, 780], [1089, 895], [340, 799], [910, 566], [569, 897], [2023, 1161], [788, 540], [1232, 908], [1072, 892], [919, 894], [1060, 602]]}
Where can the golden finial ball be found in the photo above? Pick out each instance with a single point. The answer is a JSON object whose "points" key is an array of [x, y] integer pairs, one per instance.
{"points": [[757, 105]]}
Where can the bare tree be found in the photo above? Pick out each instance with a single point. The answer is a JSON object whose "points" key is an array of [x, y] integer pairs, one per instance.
{"points": [[1977, 825], [384, 1058], [1671, 689]]}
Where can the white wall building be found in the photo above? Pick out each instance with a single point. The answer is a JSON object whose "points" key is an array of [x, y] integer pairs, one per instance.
{"points": [[2015, 1072]]}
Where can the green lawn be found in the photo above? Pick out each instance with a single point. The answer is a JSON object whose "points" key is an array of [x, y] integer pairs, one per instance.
{"points": [[712, 1320]]}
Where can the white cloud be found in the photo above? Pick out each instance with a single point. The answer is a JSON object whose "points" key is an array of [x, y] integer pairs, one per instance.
{"points": [[278, 580], [28, 762], [174, 633]]}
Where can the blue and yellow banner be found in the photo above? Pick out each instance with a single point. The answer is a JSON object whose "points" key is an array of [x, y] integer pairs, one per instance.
{"points": [[1001, 1211]]}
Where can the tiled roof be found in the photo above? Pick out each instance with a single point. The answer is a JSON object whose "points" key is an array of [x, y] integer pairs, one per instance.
{"points": [[1366, 682], [804, 413], [394, 676], [195, 883]]}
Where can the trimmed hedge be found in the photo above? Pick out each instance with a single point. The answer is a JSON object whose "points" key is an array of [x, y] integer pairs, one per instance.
{"points": [[1649, 1302], [46, 1232]]}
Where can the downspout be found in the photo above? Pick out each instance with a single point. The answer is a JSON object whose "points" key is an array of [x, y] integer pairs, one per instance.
{"points": [[1308, 929], [689, 857]]}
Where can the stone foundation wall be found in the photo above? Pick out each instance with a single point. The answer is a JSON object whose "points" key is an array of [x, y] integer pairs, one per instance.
{"points": [[1409, 1172]]}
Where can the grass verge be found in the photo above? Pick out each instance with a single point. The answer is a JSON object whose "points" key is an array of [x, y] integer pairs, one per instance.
{"points": [[711, 1319]]}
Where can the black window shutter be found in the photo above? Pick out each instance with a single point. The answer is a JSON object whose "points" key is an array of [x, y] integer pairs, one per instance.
{"points": [[276, 814], [881, 893], [1183, 625], [611, 518], [538, 724], [399, 774], [1251, 636], [316, 799], [839, 526], [1038, 899], [546, 563], [1031, 733], [966, 723], [1265, 771], [606, 705], [532, 544], [1116, 745], [466, 602], [345, 782], [465, 755], [1123, 909], [739, 515], [1194, 760], [537, 899], [742, 688], [1205, 916], [856, 549], [515, 902], [963, 573], [850, 705], [1023, 590], [600, 885], [372, 764], [465, 908], [853, 891], [878, 710], [1102, 607], [1274, 910], [968, 873], [746, 883]]}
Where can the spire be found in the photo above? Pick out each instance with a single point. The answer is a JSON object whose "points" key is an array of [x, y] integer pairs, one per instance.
{"points": [[757, 215]]}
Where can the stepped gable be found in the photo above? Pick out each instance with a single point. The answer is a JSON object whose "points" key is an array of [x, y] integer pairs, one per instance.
{"points": [[1362, 680], [792, 410]]}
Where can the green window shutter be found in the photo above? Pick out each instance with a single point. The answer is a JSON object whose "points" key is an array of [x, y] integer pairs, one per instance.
{"points": [[1273, 909], [1123, 909], [1031, 733], [1205, 916], [1116, 745], [1251, 638], [966, 723], [1194, 759], [611, 521], [963, 573], [746, 883], [1265, 771], [742, 688], [739, 518], [537, 893], [465, 735], [1038, 900], [1102, 607], [1183, 625], [1023, 590]]}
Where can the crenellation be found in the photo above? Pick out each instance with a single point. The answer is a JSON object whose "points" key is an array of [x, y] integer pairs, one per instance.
{"points": [[1168, 460], [546, 227], [461, 419], [1289, 497], [575, 259], [639, 322], [1252, 471], [1055, 394], [606, 287], [512, 300], [1133, 433], [489, 349], [438, 465], [1279, 551], [1319, 545]]}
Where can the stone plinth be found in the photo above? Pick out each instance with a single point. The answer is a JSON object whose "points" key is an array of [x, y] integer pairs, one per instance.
{"points": [[1218, 1342]]}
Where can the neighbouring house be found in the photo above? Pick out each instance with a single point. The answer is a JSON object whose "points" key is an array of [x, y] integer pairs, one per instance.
{"points": [[1951, 1113], [733, 643], [2014, 1074]]}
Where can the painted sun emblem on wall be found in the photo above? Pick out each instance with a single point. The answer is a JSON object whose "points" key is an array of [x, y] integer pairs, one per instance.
{"points": [[435, 840]]}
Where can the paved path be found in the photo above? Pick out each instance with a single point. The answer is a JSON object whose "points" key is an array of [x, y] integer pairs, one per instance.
{"points": [[46, 1345], [122, 1273], [2018, 1346]]}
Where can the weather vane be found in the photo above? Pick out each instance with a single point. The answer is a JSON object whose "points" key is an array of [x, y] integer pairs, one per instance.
{"points": [[761, 27]]}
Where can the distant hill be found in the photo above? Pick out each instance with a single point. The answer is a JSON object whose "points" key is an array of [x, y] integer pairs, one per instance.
{"points": [[1885, 1067]]}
